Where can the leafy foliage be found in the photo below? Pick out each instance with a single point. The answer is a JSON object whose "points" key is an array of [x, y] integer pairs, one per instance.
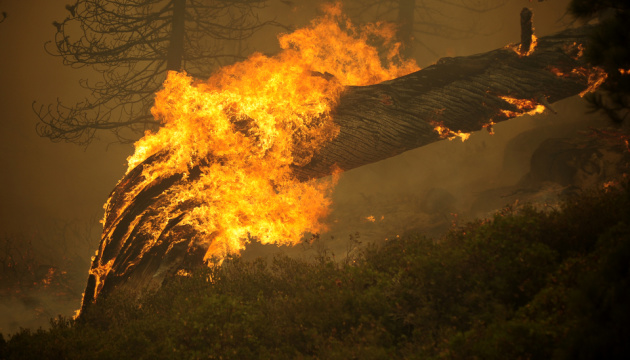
{"points": [[526, 284]]}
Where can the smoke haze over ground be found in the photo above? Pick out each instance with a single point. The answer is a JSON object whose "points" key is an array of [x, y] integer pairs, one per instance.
{"points": [[44, 183]]}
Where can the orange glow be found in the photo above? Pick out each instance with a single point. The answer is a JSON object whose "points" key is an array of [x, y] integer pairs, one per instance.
{"points": [[532, 47], [446, 133], [574, 50], [489, 127], [596, 77], [580, 51], [517, 48], [610, 184], [247, 125], [558, 72], [525, 106], [50, 275], [370, 218], [624, 71]]}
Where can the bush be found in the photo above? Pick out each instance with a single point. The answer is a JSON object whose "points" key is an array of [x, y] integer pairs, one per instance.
{"points": [[525, 284]]}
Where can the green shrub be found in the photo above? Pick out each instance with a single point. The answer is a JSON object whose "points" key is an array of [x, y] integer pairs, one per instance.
{"points": [[525, 284]]}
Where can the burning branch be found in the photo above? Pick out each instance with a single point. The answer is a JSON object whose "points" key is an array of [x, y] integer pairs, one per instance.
{"points": [[462, 94]]}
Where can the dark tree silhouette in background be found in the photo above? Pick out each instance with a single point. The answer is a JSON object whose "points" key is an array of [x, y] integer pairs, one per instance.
{"points": [[3, 16], [132, 44], [417, 19], [609, 48]]}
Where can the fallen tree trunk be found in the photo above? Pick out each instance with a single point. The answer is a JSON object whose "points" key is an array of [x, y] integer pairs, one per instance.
{"points": [[461, 95]]}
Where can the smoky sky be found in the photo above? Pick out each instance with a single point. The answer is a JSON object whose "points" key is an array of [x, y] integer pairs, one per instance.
{"points": [[41, 179]]}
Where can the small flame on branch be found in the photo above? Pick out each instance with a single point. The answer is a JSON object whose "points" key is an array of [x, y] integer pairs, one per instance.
{"points": [[558, 72], [489, 126], [517, 48], [525, 106], [532, 47], [596, 76], [574, 50], [446, 133]]}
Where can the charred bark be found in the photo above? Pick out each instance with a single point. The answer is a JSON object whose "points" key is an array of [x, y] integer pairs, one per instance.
{"points": [[527, 30], [377, 122]]}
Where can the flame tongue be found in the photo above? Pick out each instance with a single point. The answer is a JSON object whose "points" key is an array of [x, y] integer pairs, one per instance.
{"points": [[242, 136]]}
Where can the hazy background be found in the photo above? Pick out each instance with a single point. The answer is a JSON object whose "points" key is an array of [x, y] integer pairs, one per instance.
{"points": [[51, 194]]}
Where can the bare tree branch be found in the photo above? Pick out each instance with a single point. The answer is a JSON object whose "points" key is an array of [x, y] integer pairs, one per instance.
{"points": [[131, 45], [417, 18]]}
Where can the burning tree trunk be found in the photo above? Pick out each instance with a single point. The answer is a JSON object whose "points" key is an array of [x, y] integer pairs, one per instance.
{"points": [[452, 98], [527, 31], [460, 95]]}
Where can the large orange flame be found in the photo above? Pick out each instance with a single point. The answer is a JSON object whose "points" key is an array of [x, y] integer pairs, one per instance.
{"points": [[250, 122]]}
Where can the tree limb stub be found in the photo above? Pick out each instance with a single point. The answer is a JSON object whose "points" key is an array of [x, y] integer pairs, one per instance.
{"points": [[376, 122], [527, 30]]}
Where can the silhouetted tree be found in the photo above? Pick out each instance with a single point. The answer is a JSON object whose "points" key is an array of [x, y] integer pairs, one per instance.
{"points": [[3, 16], [132, 44], [417, 18]]}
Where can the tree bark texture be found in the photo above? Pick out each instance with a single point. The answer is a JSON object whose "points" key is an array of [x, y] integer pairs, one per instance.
{"points": [[462, 93], [377, 122]]}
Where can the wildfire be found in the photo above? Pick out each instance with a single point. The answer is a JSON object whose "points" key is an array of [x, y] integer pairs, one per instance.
{"points": [[518, 48], [525, 106], [446, 133], [596, 76], [243, 129], [532, 47]]}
